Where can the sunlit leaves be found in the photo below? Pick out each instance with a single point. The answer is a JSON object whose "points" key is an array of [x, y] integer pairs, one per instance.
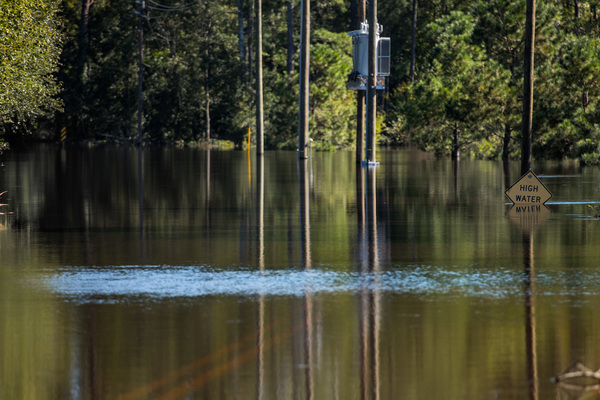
{"points": [[29, 50]]}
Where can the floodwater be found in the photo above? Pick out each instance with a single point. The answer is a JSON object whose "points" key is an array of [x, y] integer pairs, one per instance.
{"points": [[189, 274]]}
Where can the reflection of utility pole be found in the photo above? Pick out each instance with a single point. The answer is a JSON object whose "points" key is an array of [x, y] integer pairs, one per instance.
{"points": [[364, 290], [532, 373], [304, 79], [260, 349], [261, 265], [374, 267], [369, 297], [303, 183], [140, 69]]}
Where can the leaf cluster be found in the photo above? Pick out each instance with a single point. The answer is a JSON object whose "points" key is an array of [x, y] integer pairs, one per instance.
{"points": [[30, 44]]}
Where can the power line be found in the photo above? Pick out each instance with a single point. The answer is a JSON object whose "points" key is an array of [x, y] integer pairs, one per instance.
{"points": [[162, 7]]}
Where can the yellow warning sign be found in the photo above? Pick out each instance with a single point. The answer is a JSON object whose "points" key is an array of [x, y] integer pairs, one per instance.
{"points": [[528, 190]]}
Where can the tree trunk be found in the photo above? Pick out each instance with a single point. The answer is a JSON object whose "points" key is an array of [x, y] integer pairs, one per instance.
{"points": [[290, 37], [506, 140], [207, 61], [140, 75], [413, 41], [577, 8], [241, 40], [250, 33], [207, 116], [456, 142], [83, 37]]}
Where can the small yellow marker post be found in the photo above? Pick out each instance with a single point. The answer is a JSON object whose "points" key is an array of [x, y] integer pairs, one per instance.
{"points": [[249, 165]]}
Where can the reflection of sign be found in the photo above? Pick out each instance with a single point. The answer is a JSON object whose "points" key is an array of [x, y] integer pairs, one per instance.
{"points": [[528, 190], [528, 217]]}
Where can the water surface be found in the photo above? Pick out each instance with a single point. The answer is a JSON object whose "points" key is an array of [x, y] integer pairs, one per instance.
{"points": [[179, 273]]}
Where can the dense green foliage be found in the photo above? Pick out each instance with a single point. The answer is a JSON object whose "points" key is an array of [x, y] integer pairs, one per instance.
{"points": [[469, 84], [199, 67], [30, 44], [199, 72]]}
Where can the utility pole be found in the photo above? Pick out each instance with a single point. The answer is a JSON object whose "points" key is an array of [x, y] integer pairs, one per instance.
{"points": [[528, 87], [360, 95], [140, 70], [260, 127], [372, 83], [304, 75]]}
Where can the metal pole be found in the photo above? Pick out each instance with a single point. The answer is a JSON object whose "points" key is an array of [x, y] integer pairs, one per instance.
{"points": [[372, 83], [304, 71]]}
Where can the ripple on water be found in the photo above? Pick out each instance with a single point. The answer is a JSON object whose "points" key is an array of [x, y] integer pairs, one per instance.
{"points": [[164, 282]]}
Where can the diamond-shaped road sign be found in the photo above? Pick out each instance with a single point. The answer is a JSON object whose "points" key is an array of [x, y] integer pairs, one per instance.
{"points": [[528, 190]]}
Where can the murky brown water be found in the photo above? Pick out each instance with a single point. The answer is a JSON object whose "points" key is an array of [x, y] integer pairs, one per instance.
{"points": [[185, 274]]}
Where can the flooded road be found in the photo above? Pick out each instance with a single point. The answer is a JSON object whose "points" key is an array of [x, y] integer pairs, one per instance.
{"points": [[193, 274]]}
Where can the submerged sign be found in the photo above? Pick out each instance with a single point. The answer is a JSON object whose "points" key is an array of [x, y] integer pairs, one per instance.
{"points": [[528, 190]]}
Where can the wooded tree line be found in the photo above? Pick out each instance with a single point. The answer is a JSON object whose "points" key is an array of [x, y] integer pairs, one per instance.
{"points": [[456, 82]]}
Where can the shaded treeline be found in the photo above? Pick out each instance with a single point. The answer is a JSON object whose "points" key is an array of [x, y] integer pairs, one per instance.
{"points": [[199, 71], [456, 84]]}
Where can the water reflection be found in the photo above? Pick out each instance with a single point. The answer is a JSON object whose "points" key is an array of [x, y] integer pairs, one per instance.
{"points": [[530, 293], [306, 262], [403, 281], [141, 203], [369, 312], [260, 211]]}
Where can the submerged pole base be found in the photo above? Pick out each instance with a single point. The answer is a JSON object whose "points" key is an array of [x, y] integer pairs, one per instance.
{"points": [[367, 163]]}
